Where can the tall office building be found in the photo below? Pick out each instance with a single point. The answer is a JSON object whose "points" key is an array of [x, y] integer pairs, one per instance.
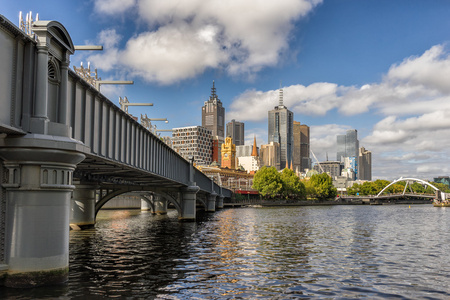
{"points": [[301, 158], [281, 123], [347, 145], [364, 164], [235, 130], [213, 115]]}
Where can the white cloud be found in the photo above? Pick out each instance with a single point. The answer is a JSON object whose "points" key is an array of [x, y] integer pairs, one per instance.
{"points": [[185, 38], [431, 69], [110, 56], [172, 53], [111, 7]]}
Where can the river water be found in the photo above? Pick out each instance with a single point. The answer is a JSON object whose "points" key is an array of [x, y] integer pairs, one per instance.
{"points": [[319, 252]]}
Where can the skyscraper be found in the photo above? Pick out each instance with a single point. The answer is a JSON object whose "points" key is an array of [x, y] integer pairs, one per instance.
{"points": [[364, 164], [213, 115], [281, 131], [347, 145], [235, 130], [301, 156]]}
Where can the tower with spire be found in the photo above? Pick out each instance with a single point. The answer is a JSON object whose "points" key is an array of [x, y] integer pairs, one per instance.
{"points": [[281, 124], [213, 115]]}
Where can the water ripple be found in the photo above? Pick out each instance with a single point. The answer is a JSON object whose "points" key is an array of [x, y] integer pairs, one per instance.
{"points": [[340, 252]]}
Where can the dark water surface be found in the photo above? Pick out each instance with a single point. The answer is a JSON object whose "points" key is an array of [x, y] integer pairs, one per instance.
{"points": [[335, 252]]}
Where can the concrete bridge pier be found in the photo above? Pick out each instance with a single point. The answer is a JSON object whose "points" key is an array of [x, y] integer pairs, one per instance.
{"points": [[145, 206], [211, 202], [38, 189], [82, 207], [219, 202], [160, 205], [188, 203]]}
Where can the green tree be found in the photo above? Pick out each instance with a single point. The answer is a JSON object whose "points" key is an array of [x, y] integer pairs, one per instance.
{"points": [[322, 186], [292, 186], [309, 187], [396, 188], [267, 181], [441, 186], [380, 184], [354, 189], [368, 188]]}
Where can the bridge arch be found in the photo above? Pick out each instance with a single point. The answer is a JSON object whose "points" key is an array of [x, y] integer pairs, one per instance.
{"points": [[110, 195], [102, 201], [407, 179]]}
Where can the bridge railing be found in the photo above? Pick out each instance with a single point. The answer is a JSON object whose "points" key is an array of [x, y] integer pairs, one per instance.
{"points": [[111, 133]]}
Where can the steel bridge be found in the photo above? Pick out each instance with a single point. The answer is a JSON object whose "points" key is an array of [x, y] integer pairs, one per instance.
{"points": [[382, 197], [65, 150]]}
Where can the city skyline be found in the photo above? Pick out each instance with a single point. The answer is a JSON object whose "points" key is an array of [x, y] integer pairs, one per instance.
{"points": [[380, 67]]}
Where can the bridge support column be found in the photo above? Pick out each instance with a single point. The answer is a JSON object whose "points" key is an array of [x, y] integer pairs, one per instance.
{"points": [[211, 202], [145, 206], [188, 203], [82, 207], [219, 202], [38, 193], [160, 205]]}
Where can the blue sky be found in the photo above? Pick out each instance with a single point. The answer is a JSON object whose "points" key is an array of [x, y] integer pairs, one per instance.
{"points": [[379, 66]]}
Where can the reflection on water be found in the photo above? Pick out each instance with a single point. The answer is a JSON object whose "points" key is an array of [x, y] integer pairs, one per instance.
{"points": [[372, 252]]}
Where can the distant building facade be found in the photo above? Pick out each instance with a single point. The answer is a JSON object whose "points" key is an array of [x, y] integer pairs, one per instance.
{"points": [[236, 131], [245, 150], [216, 150], [442, 179], [281, 131], [251, 163], [301, 157], [270, 155], [193, 141], [334, 168], [364, 164], [213, 115]]}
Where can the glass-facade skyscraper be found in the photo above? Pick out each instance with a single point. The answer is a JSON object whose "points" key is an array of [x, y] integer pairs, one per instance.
{"points": [[281, 130], [347, 145]]}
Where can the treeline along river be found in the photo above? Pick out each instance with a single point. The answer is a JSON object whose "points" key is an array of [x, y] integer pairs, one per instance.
{"points": [[328, 252]]}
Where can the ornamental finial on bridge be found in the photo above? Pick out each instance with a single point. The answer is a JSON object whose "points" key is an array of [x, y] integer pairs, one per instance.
{"points": [[27, 24], [91, 77]]}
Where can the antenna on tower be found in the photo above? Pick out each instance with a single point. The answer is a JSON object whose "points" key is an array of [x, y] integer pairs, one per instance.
{"points": [[213, 92], [280, 100]]}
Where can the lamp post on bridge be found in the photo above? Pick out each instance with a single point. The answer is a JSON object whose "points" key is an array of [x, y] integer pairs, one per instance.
{"points": [[147, 123], [99, 82], [124, 103]]}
